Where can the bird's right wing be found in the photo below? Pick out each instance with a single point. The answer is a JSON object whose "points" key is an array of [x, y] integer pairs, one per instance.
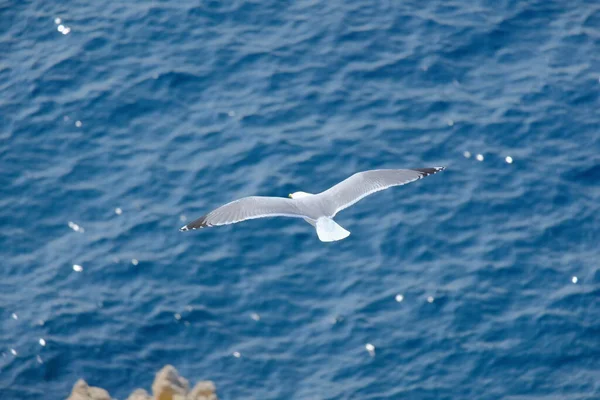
{"points": [[247, 208], [362, 184]]}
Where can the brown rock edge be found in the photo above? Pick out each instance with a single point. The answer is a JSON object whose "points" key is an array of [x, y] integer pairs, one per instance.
{"points": [[168, 385]]}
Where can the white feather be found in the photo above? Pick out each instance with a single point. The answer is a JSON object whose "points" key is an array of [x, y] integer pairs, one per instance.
{"points": [[329, 231]]}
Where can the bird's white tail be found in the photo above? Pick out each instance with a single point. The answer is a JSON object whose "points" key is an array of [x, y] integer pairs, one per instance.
{"points": [[329, 231]]}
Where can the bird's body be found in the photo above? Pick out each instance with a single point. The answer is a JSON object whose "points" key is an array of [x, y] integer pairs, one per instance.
{"points": [[316, 209]]}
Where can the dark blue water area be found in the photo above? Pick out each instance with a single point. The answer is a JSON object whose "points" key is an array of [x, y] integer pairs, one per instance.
{"points": [[146, 115]]}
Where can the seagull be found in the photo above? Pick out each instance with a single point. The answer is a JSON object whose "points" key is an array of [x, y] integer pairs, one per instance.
{"points": [[316, 209]]}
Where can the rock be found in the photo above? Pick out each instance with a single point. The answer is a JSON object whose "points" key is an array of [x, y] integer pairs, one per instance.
{"points": [[82, 391], [139, 394], [168, 385], [204, 390]]}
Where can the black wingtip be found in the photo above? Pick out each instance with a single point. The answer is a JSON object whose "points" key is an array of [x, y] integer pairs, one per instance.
{"points": [[196, 224], [429, 171]]}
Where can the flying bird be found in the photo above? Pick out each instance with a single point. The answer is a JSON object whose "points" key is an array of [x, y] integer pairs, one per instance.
{"points": [[316, 209]]}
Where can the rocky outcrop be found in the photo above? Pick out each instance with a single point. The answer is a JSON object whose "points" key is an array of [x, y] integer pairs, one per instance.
{"points": [[139, 394], [168, 385], [204, 390], [82, 391]]}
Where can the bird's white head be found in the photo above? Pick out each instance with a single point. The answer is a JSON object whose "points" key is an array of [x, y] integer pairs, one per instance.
{"points": [[299, 195]]}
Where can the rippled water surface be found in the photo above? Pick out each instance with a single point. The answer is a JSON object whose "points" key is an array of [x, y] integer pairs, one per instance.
{"points": [[481, 282]]}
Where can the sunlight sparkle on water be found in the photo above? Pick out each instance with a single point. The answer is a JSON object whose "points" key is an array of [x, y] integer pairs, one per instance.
{"points": [[255, 316], [509, 159], [237, 354], [574, 279], [42, 342], [135, 261], [467, 154], [77, 268], [370, 348], [399, 298], [479, 157], [65, 30], [75, 227], [430, 299], [14, 316], [118, 211]]}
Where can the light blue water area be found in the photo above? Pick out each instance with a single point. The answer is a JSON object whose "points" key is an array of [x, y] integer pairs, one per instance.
{"points": [[186, 105]]}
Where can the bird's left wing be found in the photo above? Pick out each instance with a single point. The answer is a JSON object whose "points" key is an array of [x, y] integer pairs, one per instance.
{"points": [[247, 208]]}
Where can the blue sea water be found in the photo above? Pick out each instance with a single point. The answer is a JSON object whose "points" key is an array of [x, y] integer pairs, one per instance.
{"points": [[147, 114]]}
